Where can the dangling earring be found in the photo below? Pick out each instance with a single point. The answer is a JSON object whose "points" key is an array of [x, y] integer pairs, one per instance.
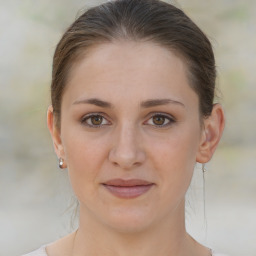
{"points": [[203, 168], [61, 162]]}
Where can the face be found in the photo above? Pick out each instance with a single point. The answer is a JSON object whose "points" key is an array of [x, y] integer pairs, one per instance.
{"points": [[130, 134]]}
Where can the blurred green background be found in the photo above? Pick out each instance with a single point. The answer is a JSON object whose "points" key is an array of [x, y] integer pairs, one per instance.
{"points": [[35, 195]]}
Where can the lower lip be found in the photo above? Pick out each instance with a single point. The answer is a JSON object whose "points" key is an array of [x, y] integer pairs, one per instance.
{"points": [[128, 192]]}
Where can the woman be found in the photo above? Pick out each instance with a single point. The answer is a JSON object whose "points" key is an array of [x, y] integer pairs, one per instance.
{"points": [[132, 113]]}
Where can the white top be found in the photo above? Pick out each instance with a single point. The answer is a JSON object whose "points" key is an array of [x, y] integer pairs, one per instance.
{"points": [[42, 252], [39, 252]]}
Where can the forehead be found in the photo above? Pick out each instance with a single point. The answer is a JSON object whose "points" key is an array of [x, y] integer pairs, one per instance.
{"points": [[129, 69]]}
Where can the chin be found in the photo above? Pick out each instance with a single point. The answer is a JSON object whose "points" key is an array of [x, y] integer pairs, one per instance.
{"points": [[129, 221]]}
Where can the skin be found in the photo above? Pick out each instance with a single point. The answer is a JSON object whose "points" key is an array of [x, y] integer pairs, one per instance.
{"points": [[128, 79]]}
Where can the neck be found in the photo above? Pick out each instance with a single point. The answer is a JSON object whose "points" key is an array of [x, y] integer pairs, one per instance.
{"points": [[166, 238]]}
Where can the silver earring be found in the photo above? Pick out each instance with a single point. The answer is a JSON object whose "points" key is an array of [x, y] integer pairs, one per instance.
{"points": [[61, 162], [203, 168]]}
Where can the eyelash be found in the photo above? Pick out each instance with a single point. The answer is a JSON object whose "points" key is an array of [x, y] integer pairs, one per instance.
{"points": [[90, 116], [169, 118]]}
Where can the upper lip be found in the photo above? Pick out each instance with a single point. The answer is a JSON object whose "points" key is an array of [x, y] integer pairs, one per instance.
{"points": [[127, 183]]}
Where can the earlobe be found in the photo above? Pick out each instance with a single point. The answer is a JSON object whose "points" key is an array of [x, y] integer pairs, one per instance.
{"points": [[211, 134], [55, 134]]}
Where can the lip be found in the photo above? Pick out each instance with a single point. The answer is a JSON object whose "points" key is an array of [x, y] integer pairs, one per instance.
{"points": [[128, 188]]}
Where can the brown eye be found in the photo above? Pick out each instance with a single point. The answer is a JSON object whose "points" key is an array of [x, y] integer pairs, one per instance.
{"points": [[96, 120], [159, 120]]}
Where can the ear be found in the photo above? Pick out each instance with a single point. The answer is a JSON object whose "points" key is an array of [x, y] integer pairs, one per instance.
{"points": [[55, 134], [211, 134]]}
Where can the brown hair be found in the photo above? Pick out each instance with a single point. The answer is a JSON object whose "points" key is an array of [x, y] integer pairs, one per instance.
{"points": [[137, 20]]}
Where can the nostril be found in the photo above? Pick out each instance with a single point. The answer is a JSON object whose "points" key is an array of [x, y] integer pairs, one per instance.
{"points": [[115, 163]]}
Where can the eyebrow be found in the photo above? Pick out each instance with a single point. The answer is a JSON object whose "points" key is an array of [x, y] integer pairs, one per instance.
{"points": [[159, 102], [144, 104], [94, 101]]}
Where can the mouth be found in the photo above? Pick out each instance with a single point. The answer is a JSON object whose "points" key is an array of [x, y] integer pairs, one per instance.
{"points": [[128, 188]]}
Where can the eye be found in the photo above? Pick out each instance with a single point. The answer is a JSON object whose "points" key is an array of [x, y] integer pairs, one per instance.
{"points": [[160, 120], [95, 120]]}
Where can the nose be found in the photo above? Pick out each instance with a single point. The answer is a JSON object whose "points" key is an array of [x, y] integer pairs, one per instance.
{"points": [[127, 150]]}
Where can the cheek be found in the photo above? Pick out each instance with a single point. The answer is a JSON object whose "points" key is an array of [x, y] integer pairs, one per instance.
{"points": [[84, 157], [177, 150], [174, 158]]}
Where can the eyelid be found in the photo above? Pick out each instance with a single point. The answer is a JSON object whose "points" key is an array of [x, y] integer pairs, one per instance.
{"points": [[150, 115], [89, 115], [163, 114]]}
